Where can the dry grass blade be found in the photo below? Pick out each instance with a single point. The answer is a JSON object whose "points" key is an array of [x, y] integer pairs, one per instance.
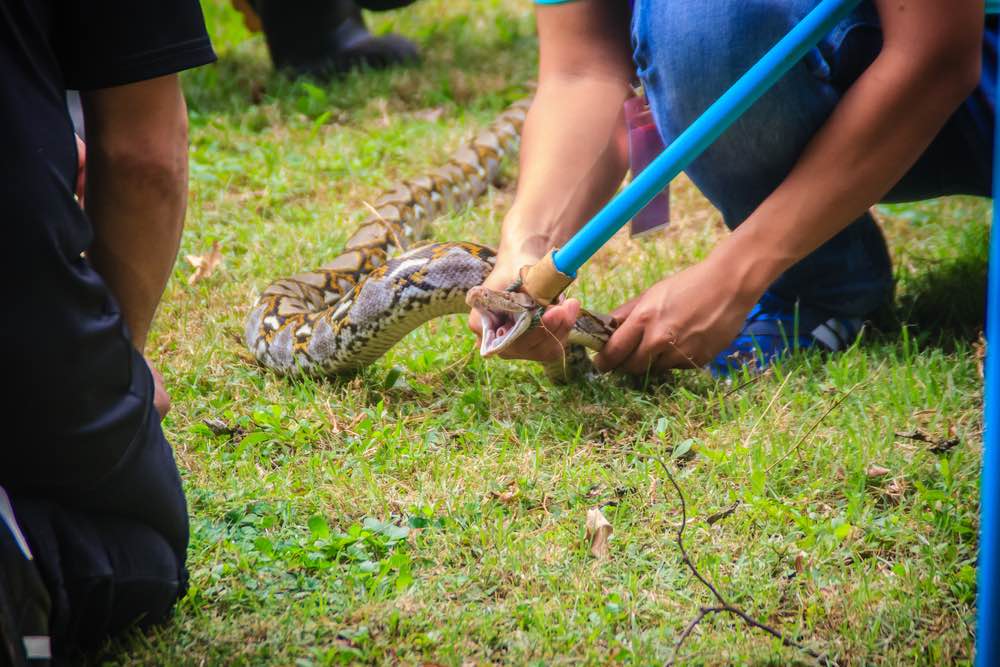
{"points": [[767, 410], [979, 353], [814, 426]]}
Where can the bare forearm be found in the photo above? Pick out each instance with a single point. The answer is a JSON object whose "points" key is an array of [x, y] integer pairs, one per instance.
{"points": [[573, 158], [573, 153], [878, 131], [136, 198]]}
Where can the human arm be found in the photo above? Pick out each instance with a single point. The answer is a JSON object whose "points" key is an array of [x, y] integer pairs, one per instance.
{"points": [[136, 191], [928, 65], [573, 154], [136, 195]]}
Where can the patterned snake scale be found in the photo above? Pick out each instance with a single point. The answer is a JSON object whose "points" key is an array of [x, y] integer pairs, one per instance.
{"points": [[349, 312]]}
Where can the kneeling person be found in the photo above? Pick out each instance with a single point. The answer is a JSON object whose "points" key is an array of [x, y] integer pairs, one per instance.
{"points": [[93, 521]]}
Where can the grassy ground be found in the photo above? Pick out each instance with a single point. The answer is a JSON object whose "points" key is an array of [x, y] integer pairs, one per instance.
{"points": [[432, 508]]}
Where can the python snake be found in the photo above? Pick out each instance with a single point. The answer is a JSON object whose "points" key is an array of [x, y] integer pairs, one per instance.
{"points": [[350, 311]]}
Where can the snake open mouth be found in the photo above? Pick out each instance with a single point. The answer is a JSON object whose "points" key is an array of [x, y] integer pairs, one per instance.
{"points": [[505, 317], [502, 329]]}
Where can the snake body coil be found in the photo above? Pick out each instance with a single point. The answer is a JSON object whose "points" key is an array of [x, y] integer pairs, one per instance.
{"points": [[349, 312]]}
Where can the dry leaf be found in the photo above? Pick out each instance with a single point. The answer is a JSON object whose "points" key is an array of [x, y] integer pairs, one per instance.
{"points": [[344, 642], [218, 426], [508, 496], [250, 17], [800, 561], [979, 352], [919, 435], [204, 265], [943, 446], [722, 514], [937, 444], [430, 115], [599, 531], [875, 471], [256, 92], [896, 489]]}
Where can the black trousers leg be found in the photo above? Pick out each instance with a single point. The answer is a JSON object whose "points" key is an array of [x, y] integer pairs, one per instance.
{"points": [[105, 574], [83, 459]]}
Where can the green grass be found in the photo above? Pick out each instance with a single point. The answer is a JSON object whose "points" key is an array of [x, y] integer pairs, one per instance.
{"points": [[373, 519]]}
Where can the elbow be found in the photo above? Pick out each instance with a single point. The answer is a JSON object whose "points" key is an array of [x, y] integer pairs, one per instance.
{"points": [[954, 72], [148, 160], [966, 70]]}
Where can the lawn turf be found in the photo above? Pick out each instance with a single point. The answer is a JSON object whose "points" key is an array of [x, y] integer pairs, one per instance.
{"points": [[431, 508]]}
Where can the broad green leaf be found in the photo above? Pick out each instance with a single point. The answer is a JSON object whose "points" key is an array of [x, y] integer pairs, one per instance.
{"points": [[318, 527]]}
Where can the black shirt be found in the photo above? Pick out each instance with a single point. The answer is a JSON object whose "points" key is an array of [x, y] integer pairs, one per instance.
{"points": [[83, 393], [92, 44]]}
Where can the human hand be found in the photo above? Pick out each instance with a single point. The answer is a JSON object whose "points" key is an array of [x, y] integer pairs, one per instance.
{"points": [[161, 399], [81, 169], [680, 322], [543, 343]]}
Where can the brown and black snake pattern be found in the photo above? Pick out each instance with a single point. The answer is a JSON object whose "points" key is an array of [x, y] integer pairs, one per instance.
{"points": [[349, 312]]}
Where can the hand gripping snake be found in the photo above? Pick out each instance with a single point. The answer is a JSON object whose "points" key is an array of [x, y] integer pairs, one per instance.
{"points": [[350, 311]]}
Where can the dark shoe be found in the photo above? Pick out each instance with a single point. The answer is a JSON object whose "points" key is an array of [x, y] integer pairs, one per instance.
{"points": [[356, 47], [24, 600], [324, 37]]}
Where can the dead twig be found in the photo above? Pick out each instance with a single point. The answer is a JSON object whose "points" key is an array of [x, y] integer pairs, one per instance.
{"points": [[753, 380], [937, 445], [722, 514], [723, 606]]}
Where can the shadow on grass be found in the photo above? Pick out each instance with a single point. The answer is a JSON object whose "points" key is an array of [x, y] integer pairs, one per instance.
{"points": [[942, 306]]}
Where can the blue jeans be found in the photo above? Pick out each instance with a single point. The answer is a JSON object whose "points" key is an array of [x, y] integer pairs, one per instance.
{"points": [[688, 52]]}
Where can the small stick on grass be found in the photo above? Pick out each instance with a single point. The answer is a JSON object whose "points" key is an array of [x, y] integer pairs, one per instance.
{"points": [[814, 426], [753, 380], [723, 606]]}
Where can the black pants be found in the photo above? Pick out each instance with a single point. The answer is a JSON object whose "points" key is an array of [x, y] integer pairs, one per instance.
{"points": [[104, 573], [92, 480]]}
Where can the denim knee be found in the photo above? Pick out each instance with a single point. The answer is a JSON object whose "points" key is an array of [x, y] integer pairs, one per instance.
{"points": [[689, 52]]}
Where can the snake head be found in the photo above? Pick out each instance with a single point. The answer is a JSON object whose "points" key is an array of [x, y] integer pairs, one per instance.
{"points": [[506, 316]]}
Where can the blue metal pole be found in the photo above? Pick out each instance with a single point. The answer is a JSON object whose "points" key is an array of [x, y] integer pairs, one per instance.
{"points": [[988, 604], [700, 135]]}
